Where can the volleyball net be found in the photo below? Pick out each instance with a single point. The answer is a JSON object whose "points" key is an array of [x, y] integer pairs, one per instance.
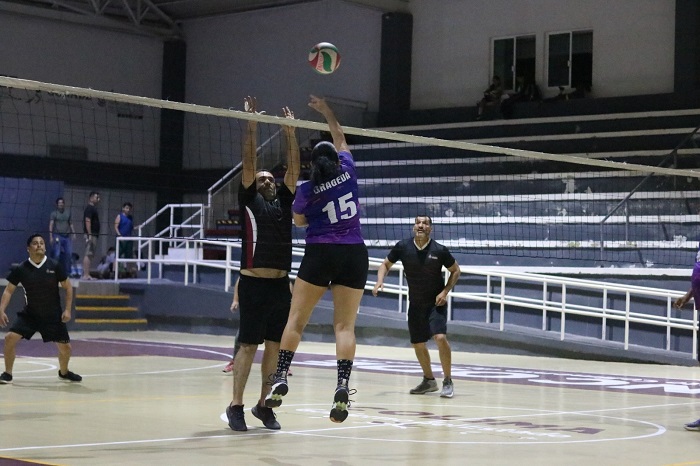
{"points": [[499, 193]]}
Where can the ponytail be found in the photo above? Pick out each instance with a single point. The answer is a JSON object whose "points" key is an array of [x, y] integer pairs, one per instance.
{"points": [[324, 163]]}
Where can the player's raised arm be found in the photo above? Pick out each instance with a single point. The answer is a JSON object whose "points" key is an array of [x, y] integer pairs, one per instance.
{"points": [[250, 144], [293, 158], [321, 106]]}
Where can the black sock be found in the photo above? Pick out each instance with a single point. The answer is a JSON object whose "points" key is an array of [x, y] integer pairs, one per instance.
{"points": [[284, 360], [344, 369]]}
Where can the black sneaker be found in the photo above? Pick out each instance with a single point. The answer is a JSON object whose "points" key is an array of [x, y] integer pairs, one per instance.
{"points": [[278, 390], [236, 418], [339, 410], [69, 377], [267, 416], [5, 378]]}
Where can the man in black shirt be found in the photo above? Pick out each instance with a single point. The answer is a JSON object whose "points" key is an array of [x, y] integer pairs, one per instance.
{"points": [[42, 313], [91, 228], [423, 260], [266, 259]]}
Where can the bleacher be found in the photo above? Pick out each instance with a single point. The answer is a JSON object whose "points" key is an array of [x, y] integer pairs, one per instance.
{"points": [[493, 206]]}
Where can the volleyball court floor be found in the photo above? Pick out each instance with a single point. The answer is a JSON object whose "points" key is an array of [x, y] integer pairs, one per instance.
{"points": [[158, 398]]}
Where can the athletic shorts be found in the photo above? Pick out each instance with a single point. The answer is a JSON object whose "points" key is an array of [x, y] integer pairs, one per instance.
{"points": [[335, 264], [264, 309], [91, 246], [426, 321], [27, 325]]}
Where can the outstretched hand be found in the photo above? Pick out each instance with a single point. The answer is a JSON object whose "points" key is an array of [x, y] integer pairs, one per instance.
{"points": [[319, 104], [250, 105]]}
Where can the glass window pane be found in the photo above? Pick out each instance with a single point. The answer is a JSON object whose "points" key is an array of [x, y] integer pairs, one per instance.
{"points": [[582, 60], [525, 52], [558, 63], [503, 61]]}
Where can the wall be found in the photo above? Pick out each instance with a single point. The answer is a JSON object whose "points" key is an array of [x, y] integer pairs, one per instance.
{"points": [[264, 54], [25, 207], [82, 56], [633, 43]]}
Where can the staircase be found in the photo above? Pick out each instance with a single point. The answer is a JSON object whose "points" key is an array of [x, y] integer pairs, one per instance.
{"points": [[100, 306]]}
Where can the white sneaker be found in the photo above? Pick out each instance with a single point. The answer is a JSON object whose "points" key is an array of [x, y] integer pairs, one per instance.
{"points": [[448, 388]]}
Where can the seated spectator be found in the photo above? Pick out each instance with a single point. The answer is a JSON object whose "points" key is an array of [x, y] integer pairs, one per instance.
{"points": [[525, 91], [105, 268], [579, 91], [492, 96]]}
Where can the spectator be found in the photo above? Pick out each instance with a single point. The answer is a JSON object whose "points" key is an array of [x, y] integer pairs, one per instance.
{"points": [[105, 268], [525, 91], [91, 228], [60, 231], [124, 226], [492, 96]]}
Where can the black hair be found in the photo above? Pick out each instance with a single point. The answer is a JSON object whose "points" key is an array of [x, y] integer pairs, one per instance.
{"points": [[59, 199], [426, 216], [29, 240], [92, 193], [128, 204], [324, 162]]}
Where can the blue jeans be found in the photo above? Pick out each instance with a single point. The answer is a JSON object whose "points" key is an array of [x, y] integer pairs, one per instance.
{"points": [[62, 250]]}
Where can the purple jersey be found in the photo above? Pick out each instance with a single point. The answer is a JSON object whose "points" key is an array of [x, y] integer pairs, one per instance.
{"points": [[332, 208]]}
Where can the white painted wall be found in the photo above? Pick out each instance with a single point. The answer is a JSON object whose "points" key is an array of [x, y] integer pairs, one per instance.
{"points": [[66, 53], [633, 44], [264, 53]]}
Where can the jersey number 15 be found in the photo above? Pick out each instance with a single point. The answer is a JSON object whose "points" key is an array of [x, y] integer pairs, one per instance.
{"points": [[346, 207]]}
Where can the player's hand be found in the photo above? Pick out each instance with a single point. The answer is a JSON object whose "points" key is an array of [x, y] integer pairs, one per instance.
{"points": [[250, 105], [65, 317], [319, 104], [441, 299], [680, 302], [234, 306], [377, 286], [4, 320]]}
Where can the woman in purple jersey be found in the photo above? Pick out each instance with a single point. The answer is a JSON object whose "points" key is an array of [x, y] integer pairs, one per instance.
{"points": [[336, 256]]}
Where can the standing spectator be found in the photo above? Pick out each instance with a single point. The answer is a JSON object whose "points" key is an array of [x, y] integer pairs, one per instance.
{"points": [[336, 256], [423, 260], [492, 96], [266, 259], [60, 231], [91, 228], [42, 313], [124, 226]]}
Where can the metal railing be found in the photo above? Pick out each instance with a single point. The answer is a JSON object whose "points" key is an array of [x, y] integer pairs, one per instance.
{"points": [[498, 283]]}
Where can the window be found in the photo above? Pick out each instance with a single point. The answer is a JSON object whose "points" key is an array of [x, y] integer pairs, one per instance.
{"points": [[570, 59], [512, 57]]}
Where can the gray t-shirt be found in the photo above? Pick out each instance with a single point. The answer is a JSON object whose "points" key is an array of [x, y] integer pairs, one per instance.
{"points": [[61, 222]]}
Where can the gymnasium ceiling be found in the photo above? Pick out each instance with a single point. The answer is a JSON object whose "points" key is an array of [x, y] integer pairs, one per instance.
{"points": [[160, 18]]}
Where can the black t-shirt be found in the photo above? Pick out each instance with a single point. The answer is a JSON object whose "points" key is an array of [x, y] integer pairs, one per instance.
{"points": [[91, 213], [266, 229], [423, 268], [40, 287]]}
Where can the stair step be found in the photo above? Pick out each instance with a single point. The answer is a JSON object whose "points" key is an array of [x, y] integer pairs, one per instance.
{"points": [[107, 308], [97, 296], [111, 321]]}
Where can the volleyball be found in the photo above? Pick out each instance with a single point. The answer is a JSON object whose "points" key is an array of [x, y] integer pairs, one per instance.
{"points": [[324, 58]]}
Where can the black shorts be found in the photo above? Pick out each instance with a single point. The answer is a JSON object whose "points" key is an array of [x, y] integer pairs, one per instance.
{"points": [[426, 321], [50, 330], [264, 309], [335, 264]]}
